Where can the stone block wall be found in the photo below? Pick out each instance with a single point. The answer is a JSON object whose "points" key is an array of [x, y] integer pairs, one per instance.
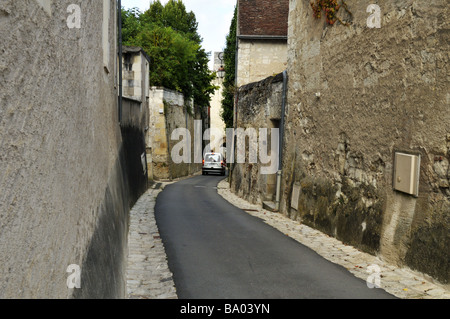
{"points": [[168, 111], [259, 59], [356, 96]]}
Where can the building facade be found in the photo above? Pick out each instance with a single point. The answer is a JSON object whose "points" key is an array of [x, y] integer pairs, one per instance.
{"points": [[262, 39], [217, 125]]}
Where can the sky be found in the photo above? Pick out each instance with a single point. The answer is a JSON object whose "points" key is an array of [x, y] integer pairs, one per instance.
{"points": [[213, 17]]}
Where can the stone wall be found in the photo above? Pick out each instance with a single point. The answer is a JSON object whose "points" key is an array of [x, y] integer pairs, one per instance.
{"points": [[259, 106], [133, 129], [63, 167], [356, 96], [168, 111], [134, 114]]}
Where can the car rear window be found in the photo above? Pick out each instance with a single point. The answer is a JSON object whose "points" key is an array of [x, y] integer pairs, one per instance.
{"points": [[212, 158]]}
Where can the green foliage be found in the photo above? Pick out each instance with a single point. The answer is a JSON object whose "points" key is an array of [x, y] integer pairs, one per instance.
{"points": [[168, 34], [130, 24], [230, 73], [170, 53], [201, 78]]}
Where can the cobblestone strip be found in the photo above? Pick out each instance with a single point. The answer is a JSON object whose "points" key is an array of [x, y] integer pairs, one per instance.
{"points": [[148, 274], [401, 282]]}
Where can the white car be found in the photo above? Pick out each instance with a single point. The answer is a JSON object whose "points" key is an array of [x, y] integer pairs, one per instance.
{"points": [[213, 163]]}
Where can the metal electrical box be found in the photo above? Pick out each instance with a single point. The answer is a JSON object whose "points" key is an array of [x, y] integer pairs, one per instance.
{"points": [[406, 173]]}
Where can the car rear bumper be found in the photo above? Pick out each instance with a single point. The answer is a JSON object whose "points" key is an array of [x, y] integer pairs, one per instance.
{"points": [[213, 169]]}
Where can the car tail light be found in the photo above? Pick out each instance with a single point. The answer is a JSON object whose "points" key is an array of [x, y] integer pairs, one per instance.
{"points": [[203, 163]]}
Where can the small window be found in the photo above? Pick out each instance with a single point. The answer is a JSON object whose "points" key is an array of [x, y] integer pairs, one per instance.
{"points": [[128, 64]]}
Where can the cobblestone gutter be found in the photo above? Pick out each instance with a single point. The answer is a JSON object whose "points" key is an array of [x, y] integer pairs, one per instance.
{"points": [[148, 274]]}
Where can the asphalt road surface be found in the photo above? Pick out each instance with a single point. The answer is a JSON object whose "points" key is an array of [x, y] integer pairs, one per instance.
{"points": [[218, 251]]}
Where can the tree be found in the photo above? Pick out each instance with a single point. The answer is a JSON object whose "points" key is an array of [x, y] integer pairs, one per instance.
{"points": [[170, 55], [229, 86], [131, 25], [168, 33], [173, 15]]}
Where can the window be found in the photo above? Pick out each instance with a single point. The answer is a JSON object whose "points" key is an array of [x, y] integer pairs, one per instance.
{"points": [[212, 158], [128, 64]]}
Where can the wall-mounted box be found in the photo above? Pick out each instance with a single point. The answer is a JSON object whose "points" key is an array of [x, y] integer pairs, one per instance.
{"points": [[406, 173]]}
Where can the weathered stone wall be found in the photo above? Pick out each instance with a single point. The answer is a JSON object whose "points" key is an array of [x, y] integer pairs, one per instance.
{"points": [[135, 101], [382, 90], [168, 112], [133, 130], [63, 178], [157, 137], [134, 113], [259, 106]]}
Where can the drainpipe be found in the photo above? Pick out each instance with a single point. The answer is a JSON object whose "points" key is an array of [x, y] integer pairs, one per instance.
{"points": [[120, 58], [280, 146]]}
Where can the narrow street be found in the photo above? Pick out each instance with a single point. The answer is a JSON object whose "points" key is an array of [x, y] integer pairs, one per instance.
{"points": [[216, 250], [110, 111]]}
